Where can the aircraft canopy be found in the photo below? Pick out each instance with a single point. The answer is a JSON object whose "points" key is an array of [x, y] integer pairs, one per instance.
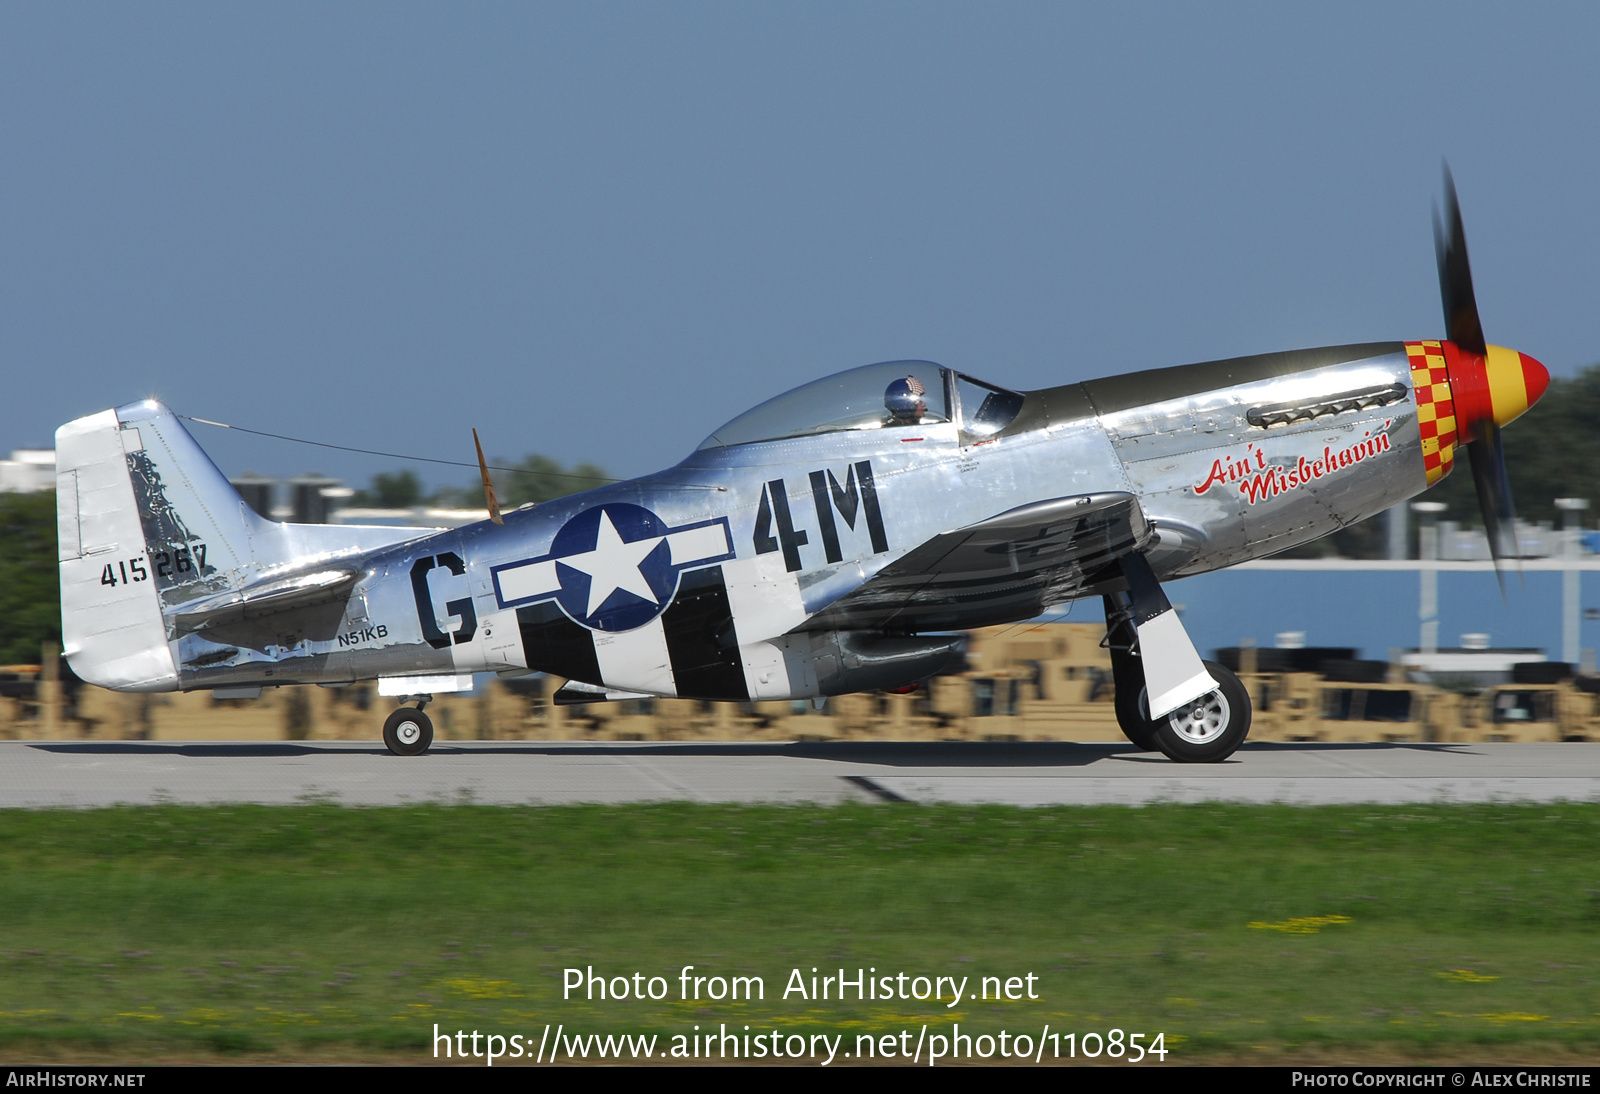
{"points": [[856, 400]]}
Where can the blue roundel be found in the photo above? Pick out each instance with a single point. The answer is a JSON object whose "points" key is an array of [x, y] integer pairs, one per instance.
{"points": [[618, 564], [606, 574], [614, 567]]}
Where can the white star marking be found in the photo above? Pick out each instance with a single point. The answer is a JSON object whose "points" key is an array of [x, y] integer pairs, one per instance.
{"points": [[613, 565]]}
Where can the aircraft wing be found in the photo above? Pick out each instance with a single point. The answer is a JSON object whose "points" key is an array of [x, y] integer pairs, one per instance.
{"points": [[1008, 567]]}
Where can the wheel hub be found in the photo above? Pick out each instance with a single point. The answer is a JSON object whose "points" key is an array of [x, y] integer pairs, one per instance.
{"points": [[408, 733], [1202, 721]]}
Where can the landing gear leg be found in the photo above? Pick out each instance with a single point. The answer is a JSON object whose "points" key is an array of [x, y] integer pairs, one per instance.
{"points": [[408, 731], [1204, 709], [1127, 677]]}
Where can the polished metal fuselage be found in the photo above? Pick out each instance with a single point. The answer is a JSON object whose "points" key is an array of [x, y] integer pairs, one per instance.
{"points": [[1216, 488]]}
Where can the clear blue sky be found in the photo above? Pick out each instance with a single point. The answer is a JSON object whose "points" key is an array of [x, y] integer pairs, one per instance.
{"points": [[598, 230]]}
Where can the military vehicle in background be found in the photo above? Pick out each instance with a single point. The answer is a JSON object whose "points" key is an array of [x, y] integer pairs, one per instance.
{"points": [[1033, 682]]}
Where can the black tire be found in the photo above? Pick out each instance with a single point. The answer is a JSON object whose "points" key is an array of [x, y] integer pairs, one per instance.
{"points": [[1210, 729], [408, 732], [1127, 682]]}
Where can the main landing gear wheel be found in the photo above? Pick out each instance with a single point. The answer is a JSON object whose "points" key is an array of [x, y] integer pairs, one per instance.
{"points": [[1208, 730], [1127, 683], [408, 732]]}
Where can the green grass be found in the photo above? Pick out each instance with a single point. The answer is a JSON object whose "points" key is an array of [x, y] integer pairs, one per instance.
{"points": [[316, 929]]}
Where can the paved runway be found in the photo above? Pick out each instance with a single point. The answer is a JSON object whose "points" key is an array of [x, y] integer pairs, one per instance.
{"points": [[100, 773]]}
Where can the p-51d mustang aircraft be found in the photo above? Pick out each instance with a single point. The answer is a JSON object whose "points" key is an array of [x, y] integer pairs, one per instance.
{"points": [[828, 541]]}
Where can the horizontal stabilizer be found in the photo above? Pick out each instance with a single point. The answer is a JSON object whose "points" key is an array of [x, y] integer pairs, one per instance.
{"points": [[264, 598]]}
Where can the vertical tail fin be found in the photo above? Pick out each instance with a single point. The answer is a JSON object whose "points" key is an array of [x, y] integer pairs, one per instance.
{"points": [[146, 522], [152, 534]]}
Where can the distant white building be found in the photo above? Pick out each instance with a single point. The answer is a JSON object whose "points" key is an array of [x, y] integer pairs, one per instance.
{"points": [[28, 470], [1458, 544]]}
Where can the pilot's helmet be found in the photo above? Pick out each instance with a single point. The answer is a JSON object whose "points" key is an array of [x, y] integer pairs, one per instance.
{"points": [[904, 400]]}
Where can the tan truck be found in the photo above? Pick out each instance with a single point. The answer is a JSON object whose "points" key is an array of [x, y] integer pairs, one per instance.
{"points": [[1026, 682]]}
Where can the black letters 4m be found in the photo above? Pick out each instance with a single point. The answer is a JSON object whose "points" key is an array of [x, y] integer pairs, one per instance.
{"points": [[858, 494], [462, 607]]}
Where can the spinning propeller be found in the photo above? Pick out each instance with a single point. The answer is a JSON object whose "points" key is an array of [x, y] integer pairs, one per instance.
{"points": [[1490, 385]]}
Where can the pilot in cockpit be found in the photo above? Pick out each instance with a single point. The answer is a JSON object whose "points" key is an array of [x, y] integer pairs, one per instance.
{"points": [[904, 400]]}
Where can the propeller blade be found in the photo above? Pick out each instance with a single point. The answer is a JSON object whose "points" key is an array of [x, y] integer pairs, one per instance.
{"points": [[1488, 457], [1455, 274], [1484, 448], [488, 487]]}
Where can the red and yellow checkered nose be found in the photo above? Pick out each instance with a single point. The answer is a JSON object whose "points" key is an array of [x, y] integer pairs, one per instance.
{"points": [[1456, 390]]}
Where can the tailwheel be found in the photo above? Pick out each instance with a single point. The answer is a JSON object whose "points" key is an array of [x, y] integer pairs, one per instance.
{"points": [[408, 732], [1209, 729]]}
